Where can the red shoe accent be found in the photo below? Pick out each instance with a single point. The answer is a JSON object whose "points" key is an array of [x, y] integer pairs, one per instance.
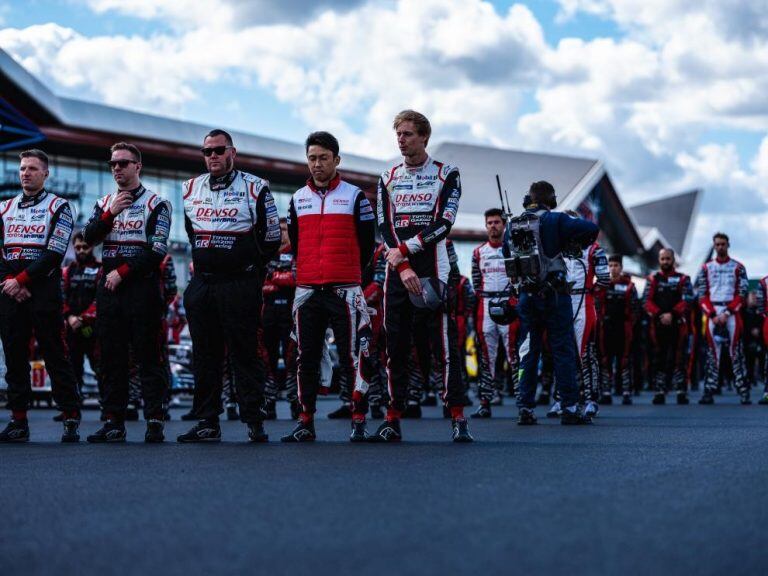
{"points": [[457, 412], [306, 418], [19, 414], [393, 414]]}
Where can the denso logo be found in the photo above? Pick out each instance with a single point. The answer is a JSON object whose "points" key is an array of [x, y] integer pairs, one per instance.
{"points": [[216, 212], [121, 225], [26, 229], [415, 197]]}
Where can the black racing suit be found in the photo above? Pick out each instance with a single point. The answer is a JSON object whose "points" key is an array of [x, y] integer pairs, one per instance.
{"points": [[618, 307], [669, 293], [416, 209], [78, 285], [130, 317], [35, 232], [277, 324], [234, 230]]}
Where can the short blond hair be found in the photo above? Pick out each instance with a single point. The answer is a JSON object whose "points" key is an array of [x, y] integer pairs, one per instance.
{"points": [[132, 148], [420, 122]]}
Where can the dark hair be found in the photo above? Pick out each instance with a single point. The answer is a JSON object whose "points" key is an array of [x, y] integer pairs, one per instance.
{"points": [[494, 212], [35, 153], [324, 140], [219, 132], [78, 236], [670, 250], [616, 258], [126, 146], [722, 235], [542, 192]]}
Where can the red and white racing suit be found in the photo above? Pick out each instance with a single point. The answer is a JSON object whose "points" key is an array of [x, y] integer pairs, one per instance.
{"points": [[584, 273], [722, 288], [490, 281]]}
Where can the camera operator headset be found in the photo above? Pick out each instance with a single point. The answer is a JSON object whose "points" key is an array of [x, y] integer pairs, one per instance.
{"points": [[534, 243]]}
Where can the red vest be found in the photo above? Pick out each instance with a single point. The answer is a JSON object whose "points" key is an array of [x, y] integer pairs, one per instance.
{"points": [[328, 249]]}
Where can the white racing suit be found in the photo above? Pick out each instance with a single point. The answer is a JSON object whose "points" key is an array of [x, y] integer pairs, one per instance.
{"points": [[722, 288], [583, 274]]}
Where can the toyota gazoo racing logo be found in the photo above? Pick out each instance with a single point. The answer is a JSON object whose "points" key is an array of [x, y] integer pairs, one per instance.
{"points": [[217, 214], [203, 241], [12, 253]]}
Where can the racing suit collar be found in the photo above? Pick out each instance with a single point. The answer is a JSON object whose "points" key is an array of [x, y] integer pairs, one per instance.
{"points": [[722, 260], [672, 272], [27, 201], [332, 185], [224, 181], [417, 167], [493, 244]]}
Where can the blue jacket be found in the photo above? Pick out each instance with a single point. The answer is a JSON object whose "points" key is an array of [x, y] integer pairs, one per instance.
{"points": [[558, 231]]}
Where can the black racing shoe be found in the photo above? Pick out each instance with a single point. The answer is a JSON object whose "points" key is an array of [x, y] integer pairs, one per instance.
{"points": [[574, 418], [706, 398], [389, 431], [295, 410], [483, 411], [430, 399], [343, 412], [71, 434], [189, 416], [359, 432], [232, 414], [304, 432], [626, 399], [544, 399], [270, 410], [745, 399], [606, 399], [59, 417], [764, 400], [460, 431], [132, 414], [154, 433], [111, 432], [412, 411], [15, 431], [203, 431], [377, 412], [659, 398], [526, 417], [256, 432], [682, 398]]}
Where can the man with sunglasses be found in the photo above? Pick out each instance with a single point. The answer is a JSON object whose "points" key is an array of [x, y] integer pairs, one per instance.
{"points": [[234, 229], [133, 223]]}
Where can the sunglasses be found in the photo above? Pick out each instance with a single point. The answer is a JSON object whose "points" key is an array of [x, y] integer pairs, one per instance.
{"points": [[218, 149], [121, 163]]}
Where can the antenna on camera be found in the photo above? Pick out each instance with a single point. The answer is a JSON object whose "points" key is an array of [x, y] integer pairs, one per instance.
{"points": [[501, 197]]}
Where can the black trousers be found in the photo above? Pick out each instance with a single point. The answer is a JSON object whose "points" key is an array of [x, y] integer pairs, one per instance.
{"points": [[128, 324], [18, 323], [317, 310], [402, 322], [277, 324], [669, 345], [81, 348], [224, 317]]}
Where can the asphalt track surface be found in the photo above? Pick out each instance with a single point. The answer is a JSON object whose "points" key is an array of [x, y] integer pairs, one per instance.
{"points": [[646, 490]]}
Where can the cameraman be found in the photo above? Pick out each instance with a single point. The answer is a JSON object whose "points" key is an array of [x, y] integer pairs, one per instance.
{"points": [[545, 305]]}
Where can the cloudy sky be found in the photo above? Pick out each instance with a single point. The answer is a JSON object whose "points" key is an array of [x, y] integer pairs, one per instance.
{"points": [[670, 94]]}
